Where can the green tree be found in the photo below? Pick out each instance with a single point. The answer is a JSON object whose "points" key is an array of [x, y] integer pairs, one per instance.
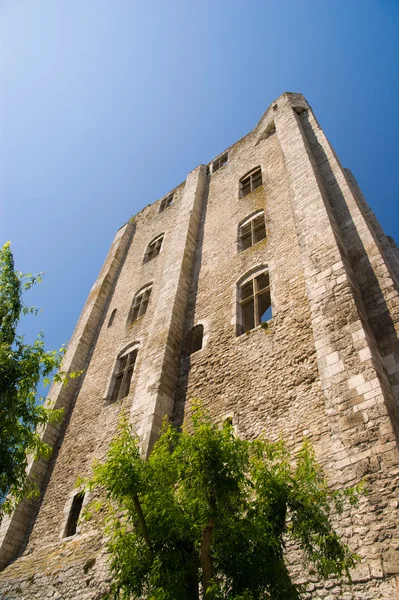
{"points": [[208, 515], [22, 367]]}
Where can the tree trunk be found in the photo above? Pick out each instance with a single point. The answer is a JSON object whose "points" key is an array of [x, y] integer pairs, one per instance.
{"points": [[142, 522], [205, 554], [192, 579]]}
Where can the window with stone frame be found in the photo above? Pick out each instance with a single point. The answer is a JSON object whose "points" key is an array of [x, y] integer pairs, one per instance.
{"points": [[220, 162], [166, 202], [112, 317], [252, 231], [254, 302], [74, 513], [250, 181], [194, 339], [140, 304], [123, 375], [154, 248]]}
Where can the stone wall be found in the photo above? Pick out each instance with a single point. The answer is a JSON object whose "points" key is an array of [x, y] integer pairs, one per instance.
{"points": [[325, 366]]}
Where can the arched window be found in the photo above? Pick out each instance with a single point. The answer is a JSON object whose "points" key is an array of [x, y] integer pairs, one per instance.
{"points": [[194, 339], [140, 303], [153, 248], [254, 301], [250, 181], [112, 317], [252, 230], [123, 374]]}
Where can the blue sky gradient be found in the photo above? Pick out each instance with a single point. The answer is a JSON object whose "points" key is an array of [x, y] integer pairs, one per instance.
{"points": [[105, 106]]}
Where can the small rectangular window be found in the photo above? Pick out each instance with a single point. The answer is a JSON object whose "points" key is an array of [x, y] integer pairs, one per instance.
{"points": [[166, 202], [74, 514], [220, 162]]}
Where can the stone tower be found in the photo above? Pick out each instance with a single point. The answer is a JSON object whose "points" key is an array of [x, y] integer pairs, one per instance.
{"points": [[263, 285]]}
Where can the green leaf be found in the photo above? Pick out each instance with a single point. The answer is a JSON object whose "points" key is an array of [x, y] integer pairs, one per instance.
{"points": [[22, 366]]}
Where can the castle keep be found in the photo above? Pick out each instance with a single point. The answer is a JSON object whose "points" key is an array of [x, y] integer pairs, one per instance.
{"points": [[264, 285]]}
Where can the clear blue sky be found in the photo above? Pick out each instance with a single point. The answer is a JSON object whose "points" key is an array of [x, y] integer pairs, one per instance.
{"points": [[106, 105]]}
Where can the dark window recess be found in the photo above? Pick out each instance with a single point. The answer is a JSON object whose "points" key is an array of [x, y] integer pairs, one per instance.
{"points": [[253, 232], [140, 304], [220, 162], [194, 339], [250, 182], [123, 376], [270, 130], [112, 317], [154, 248], [255, 303], [74, 514], [166, 202]]}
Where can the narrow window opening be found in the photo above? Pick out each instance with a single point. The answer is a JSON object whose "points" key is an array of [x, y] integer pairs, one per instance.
{"points": [[166, 202], [299, 109], [252, 232], [194, 339], [270, 130], [112, 317], [250, 182], [140, 304], [255, 303], [220, 162], [154, 248], [123, 376], [74, 514]]}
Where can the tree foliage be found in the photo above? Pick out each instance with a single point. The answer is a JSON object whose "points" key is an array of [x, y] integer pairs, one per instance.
{"points": [[22, 367], [209, 515]]}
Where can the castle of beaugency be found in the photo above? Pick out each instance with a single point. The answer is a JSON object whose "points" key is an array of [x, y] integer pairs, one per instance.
{"points": [[264, 285]]}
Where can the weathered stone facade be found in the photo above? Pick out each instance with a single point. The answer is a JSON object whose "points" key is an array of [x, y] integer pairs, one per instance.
{"points": [[326, 365]]}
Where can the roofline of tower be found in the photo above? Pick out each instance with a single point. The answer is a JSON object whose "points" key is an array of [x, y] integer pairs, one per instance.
{"points": [[271, 105]]}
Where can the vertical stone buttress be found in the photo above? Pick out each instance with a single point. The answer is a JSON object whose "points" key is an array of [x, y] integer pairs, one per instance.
{"points": [[14, 527], [154, 394], [369, 252], [352, 296]]}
